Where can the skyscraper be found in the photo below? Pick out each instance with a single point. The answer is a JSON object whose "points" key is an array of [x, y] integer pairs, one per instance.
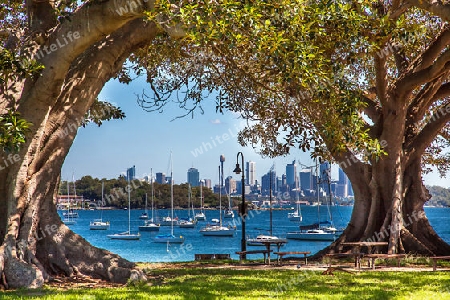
{"points": [[265, 183], [342, 186], [306, 181], [160, 178], [291, 175], [131, 173], [193, 177], [250, 173]]}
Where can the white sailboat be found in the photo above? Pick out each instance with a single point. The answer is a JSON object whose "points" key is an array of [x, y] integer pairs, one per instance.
{"points": [[150, 225], [261, 239], [127, 235], [228, 211], [200, 216], [68, 217], [189, 222], [99, 224], [295, 216], [218, 230], [170, 237], [315, 232]]}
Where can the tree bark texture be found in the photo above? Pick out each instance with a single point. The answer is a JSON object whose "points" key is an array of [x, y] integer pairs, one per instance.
{"points": [[35, 244]]}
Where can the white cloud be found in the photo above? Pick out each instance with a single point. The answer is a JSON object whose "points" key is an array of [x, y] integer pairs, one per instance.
{"points": [[215, 121]]}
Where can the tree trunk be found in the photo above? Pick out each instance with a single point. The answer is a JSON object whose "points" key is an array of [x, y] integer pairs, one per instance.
{"points": [[35, 244]]}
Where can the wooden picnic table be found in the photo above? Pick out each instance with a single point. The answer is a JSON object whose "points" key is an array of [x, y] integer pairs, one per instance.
{"points": [[357, 246], [275, 242]]}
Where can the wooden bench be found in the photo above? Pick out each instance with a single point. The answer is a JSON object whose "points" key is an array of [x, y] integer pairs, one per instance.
{"points": [[357, 257], [281, 254], [374, 256], [211, 256], [244, 253], [436, 258]]}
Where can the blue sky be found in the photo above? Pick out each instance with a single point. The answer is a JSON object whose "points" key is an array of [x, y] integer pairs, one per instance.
{"points": [[145, 139]]}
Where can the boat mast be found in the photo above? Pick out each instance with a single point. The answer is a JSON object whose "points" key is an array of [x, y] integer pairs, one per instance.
{"points": [[101, 210], [151, 178], [189, 200], [222, 159], [171, 193], [220, 201], [129, 207], [317, 190], [270, 202]]}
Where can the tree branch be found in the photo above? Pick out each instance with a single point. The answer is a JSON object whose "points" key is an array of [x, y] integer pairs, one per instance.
{"points": [[417, 146], [427, 58], [381, 75], [413, 80], [436, 7]]}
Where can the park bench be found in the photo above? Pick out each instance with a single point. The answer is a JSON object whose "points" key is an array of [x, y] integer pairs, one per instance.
{"points": [[244, 253], [211, 256], [436, 258], [373, 256], [281, 254], [356, 255]]}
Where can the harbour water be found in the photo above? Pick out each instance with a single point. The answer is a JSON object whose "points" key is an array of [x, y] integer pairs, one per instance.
{"points": [[145, 250]]}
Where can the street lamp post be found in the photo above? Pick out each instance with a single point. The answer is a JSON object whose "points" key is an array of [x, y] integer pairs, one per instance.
{"points": [[243, 213]]}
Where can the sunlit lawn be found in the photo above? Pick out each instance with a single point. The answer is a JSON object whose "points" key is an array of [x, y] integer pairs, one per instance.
{"points": [[216, 283]]}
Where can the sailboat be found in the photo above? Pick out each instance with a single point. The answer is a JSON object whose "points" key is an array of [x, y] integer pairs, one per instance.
{"points": [[170, 237], [189, 222], [127, 235], [99, 224], [68, 218], [228, 211], [150, 225], [218, 230], [71, 213], [144, 215], [295, 216], [258, 241], [200, 216], [316, 231]]}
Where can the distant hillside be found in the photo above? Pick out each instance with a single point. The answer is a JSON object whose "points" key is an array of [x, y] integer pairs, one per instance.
{"points": [[440, 196]]}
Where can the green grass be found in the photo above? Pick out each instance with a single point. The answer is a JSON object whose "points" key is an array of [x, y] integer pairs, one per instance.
{"points": [[215, 283]]}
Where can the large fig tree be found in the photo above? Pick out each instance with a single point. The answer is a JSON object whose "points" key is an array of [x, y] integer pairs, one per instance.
{"points": [[364, 83]]}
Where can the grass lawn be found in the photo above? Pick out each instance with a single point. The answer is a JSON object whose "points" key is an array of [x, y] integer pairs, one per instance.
{"points": [[219, 283]]}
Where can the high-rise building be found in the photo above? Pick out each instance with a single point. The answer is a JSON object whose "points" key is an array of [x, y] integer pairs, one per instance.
{"points": [[207, 183], [160, 178], [193, 177], [291, 175], [265, 183], [250, 173], [306, 180], [131, 173], [230, 185], [344, 185]]}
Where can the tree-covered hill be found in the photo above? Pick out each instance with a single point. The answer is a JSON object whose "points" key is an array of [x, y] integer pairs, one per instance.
{"points": [[440, 196], [116, 193]]}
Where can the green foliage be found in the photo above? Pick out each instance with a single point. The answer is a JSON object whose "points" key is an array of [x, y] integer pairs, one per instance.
{"points": [[295, 68], [13, 131], [102, 111]]}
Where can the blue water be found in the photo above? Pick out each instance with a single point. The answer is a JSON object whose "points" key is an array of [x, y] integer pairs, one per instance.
{"points": [[145, 250]]}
